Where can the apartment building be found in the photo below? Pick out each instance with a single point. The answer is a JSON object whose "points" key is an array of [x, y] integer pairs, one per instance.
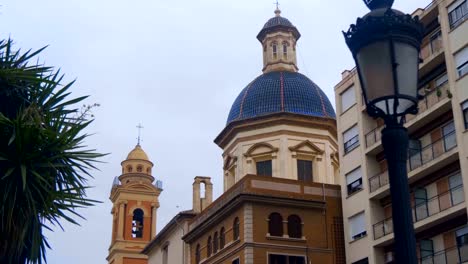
{"points": [[438, 154]]}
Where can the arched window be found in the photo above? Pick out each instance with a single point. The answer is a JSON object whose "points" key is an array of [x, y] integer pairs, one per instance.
{"points": [[235, 229], [139, 168], [285, 50], [215, 242], [222, 238], [209, 249], [129, 168], [137, 223], [197, 254], [275, 51], [294, 226], [275, 225]]}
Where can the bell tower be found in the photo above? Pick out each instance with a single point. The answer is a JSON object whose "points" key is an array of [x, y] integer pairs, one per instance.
{"points": [[134, 196]]}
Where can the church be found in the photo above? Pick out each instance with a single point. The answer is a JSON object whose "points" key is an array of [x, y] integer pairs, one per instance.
{"points": [[281, 202]]}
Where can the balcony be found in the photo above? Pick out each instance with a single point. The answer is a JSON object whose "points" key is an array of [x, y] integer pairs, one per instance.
{"points": [[431, 53], [374, 136], [426, 106], [447, 256], [418, 158], [424, 210], [377, 181], [431, 98]]}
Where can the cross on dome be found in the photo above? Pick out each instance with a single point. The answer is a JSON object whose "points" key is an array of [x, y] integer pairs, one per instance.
{"points": [[277, 11]]}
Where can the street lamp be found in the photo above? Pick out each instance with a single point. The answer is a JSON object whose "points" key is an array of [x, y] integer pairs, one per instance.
{"points": [[385, 45]]}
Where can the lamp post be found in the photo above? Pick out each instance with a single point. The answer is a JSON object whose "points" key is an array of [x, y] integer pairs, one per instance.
{"points": [[385, 45]]}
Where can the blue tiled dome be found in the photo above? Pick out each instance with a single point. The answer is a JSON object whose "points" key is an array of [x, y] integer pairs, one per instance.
{"points": [[278, 21], [281, 92]]}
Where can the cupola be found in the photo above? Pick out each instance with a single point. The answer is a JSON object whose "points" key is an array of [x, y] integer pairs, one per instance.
{"points": [[137, 167], [278, 37]]}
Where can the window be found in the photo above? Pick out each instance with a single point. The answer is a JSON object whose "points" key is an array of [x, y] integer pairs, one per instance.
{"points": [[222, 238], [351, 139], [165, 254], [236, 261], [426, 250], [285, 50], [354, 181], [294, 226], [275, 51], [235, 229], [137, 223], [465, 113], [362, 261], [357, 226], [264, 168], [441, 80], [215, 242], [209, 249], [450, 140], [275, 225], [462, 243], [348, 99], [458, 12], [304, 170], [461, 61], [421, 204], [197, 254], [456, 189], [283, 259]]}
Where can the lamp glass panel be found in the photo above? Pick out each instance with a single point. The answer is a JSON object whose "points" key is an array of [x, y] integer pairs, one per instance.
{"points": [[407, 59], [374, 61]]}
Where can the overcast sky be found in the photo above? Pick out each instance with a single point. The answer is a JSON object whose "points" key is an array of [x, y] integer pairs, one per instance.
{"points": [[175, 66]]}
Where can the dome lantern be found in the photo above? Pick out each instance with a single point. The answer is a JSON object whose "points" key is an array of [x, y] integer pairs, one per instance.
{"points": [[278, 37]]}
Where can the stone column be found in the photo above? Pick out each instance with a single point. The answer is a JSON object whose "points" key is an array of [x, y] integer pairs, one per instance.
{"points": [[153, 218], [120, 228]]}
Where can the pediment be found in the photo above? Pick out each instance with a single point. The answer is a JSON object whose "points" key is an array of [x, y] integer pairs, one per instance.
{"points": [[260, 149], [307, 147], [229, 162]]}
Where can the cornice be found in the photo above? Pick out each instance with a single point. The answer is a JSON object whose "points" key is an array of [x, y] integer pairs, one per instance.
{"points": [[235, 127]]}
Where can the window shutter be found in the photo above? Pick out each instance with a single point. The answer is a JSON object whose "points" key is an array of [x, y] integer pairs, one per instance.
{"points": [[461, 57], [353, 176], [348, 98], [350, 133], [357, 224], [456, 4]]}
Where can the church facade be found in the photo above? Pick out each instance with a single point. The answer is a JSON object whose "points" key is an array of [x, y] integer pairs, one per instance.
{"points": [[281, 202]]}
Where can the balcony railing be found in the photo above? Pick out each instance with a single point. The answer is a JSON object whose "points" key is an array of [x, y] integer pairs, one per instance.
{"points": [[417, 158], [438, 203], [377, 181], [424, 209], [433, 47], [447, 256], [383, 228], [431, 98], [374, 136]]}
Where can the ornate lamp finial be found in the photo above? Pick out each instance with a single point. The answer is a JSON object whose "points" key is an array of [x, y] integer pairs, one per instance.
{"points": [[376, 4]]}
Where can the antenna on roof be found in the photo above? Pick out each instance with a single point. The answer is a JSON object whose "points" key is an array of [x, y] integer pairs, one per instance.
{"points": [[139, 133]]}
